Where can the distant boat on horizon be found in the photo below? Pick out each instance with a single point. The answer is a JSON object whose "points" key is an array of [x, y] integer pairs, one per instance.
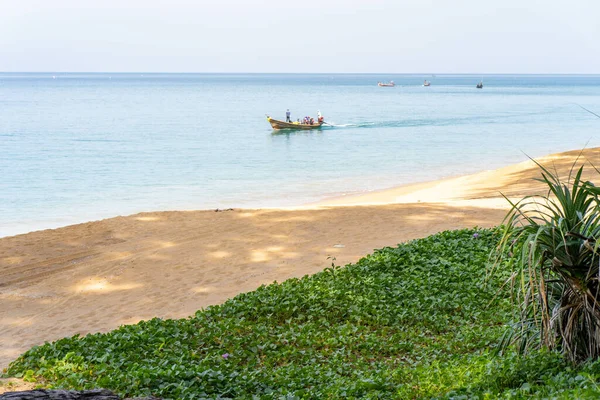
{"points": [[479, 85], [426, 83], [383, 84]]}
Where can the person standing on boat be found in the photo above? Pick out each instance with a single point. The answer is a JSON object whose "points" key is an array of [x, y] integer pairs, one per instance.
{"points": [[319, 116], [287, 116]]}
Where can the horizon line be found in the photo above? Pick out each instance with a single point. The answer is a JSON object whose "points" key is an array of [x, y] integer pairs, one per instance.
{"points": [[299, 73]]}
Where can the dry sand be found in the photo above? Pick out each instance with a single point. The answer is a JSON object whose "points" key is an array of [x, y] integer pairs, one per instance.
{"points": [[95, 276]]}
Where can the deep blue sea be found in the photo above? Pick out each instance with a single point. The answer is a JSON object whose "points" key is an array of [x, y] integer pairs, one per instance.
{"points": [[76, 147]]}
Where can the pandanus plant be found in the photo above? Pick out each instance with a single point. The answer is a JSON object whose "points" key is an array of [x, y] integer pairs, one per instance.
{"points": [[551, 244]]}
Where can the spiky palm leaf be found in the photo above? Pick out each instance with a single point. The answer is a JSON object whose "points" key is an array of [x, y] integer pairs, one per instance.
{"points": [[552, 240]]}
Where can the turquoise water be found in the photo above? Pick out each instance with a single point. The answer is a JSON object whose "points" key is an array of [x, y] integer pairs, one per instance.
{"points": [[78, 147]]}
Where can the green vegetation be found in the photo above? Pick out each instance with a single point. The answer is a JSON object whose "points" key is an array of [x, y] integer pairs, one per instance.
{"points": [[556, 266], [418, 321]]}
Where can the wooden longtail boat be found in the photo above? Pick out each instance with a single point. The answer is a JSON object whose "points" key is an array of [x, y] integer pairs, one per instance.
{"points": [[276, 124]]}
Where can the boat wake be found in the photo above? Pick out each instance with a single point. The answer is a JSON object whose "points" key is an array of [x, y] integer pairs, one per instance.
{"points": [[383, 124], [360, 125], [417, 122]]}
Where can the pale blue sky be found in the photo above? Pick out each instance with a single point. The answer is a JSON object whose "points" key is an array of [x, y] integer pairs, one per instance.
{"points": [[462, 36]]}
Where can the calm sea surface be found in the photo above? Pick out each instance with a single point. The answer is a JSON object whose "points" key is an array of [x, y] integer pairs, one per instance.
{"points": [[77, 147]]}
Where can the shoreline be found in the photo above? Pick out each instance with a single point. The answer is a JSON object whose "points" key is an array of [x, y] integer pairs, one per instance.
{"points": [[323, 201], [95, 276], [486, 184], [373, 197]]}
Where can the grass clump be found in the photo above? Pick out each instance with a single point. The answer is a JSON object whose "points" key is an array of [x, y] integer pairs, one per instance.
{"points": [[414, 321]]}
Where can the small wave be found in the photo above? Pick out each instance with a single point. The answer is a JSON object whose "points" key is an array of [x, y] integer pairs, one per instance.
{"points": [[100, 140]]}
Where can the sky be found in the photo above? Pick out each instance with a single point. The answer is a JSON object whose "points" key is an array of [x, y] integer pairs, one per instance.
{"points": [[327, 36]]}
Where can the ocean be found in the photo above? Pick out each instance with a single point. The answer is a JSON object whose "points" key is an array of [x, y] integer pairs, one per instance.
{"points": [[76, 147]]}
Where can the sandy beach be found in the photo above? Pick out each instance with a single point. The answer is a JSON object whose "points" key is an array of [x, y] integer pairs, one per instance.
{"points": [[95, 276]]}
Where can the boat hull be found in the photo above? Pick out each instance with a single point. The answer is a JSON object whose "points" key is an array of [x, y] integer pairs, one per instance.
{"points": [[276, 124]]}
